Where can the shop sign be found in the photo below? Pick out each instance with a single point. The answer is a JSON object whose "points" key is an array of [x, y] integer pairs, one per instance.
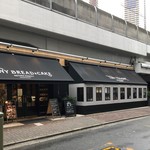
{"points": [[119, 79], [24, 73], [53, 106], [70, 108]]}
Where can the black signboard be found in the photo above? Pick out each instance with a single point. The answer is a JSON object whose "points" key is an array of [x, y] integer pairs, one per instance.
{"points": [[55, 107], [70, 108]]}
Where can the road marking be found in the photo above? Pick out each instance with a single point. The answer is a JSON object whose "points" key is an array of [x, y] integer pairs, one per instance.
{"points": [[38, 124]]}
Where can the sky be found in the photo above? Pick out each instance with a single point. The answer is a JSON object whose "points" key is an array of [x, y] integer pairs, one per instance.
{"points": [[116, 7]]}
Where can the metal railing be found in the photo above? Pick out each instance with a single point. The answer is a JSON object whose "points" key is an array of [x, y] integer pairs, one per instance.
{"points": [[87, 13]]}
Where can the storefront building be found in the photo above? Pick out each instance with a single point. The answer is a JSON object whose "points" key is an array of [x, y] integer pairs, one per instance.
{"points": [[28, 82], [100, 88]]}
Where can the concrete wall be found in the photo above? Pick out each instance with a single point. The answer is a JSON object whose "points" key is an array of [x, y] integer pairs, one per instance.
{"points": [[62, 46], [86, 12], [142, 35], [132, 31], [104, 20], [119, 26], [67, 7]]}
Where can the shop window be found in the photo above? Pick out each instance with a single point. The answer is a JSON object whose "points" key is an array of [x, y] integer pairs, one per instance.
{"points": [[140, 92], [122, 93], [144, 93], [107, 93], [3, 95], [134, 92], [115, 93], [128, 93], [80, 94], [89, 94], [98, 93]]}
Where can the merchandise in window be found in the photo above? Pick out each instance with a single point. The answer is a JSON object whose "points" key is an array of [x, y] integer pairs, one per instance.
{"points": [[98, 93], [89, 94], [134, 92], [115, 93], [144, 92], [107, 93], [140, 92], [128, 93], [122, 93], [80, 94]]}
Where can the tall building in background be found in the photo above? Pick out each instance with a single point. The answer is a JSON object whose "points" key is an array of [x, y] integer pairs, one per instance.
{"points": [[94, 2], [132, 11]]}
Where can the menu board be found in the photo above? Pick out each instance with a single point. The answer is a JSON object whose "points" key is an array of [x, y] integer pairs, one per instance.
{"points": [[54, 107], [10, 110], [70, 108]]}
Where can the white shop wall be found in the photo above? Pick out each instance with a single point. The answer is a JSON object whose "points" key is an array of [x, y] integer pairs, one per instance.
{"points": [[73, 93]]}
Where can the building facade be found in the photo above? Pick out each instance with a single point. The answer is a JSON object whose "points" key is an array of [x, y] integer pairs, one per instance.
{"points": [[55, 49], [132, 11]]}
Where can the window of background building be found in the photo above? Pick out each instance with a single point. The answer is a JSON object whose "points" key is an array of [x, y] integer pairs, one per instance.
{"points": [[128, 93], [89, 94], [140, 92], [107, 93], [122, 93], [80, 94], [134, 92], [115, 93], [144, 93], [98, 93]]}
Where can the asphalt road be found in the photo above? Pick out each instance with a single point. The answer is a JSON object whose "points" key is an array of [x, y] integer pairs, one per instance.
{"points": [[127, 135]]}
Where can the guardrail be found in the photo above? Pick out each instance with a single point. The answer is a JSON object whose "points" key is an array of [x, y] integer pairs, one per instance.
{"points": [[85, 12]]}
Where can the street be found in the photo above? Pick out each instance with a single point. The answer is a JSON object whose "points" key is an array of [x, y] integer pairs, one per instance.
{"points": [[127, 135]]}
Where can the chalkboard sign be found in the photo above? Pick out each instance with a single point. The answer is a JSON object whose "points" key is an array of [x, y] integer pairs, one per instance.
{"points": [[70, 108], [54, 107]]}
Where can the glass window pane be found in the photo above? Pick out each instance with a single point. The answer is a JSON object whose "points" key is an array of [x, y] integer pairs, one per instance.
{"points": [[115, 93], [98, 93], [122, 93], [89, 94], [128, 93], [134, 92], [80, 94], [144, 93], [140, 92], [107, 93]]}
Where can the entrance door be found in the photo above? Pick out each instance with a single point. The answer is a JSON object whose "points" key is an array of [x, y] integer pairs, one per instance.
{"points": [[25, 95]]}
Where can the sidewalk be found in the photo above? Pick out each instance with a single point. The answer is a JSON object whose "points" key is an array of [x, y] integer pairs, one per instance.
{"points": [[23, 131]]}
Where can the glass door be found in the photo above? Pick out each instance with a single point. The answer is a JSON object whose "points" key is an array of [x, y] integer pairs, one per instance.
{"points": [[25, 97]]}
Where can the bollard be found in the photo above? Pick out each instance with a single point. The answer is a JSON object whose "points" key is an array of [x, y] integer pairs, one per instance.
{"points": [[1, 130]]}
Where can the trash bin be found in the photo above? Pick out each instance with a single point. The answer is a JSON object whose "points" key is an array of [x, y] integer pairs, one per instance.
{"points": [[1, 130]]}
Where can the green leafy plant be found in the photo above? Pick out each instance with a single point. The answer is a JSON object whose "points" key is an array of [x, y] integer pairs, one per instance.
{"points": [[69, 98]]}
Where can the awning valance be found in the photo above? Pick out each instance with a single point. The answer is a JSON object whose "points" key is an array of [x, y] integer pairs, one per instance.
{"points": [[99, 74], [28, 68]]}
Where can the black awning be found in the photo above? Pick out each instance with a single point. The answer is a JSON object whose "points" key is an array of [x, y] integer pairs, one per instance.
{"points": [[99, 74], [24, 68]]}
